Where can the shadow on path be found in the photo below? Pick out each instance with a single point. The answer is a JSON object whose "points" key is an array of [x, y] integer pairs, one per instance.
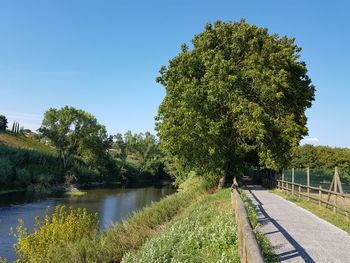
{"points": [[264, 218]]}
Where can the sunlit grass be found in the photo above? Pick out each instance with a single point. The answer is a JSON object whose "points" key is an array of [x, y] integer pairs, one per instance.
{"points": [[24, 142], [205, 232]]}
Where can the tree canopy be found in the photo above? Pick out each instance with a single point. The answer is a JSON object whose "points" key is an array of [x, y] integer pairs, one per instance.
{"points": [[140, 148], [237, 98], [77, 133]]}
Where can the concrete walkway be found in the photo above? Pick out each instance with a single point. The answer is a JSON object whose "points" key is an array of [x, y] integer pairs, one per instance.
{"points": [[295, 234]]}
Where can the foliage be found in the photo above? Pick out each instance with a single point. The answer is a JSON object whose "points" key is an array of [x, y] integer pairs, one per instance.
{"points": [[138, 156], [76, 133], [65, 225], [321, 160], [237, 98], [21, 168], [3, 123], [320, 157], [206, 232]]}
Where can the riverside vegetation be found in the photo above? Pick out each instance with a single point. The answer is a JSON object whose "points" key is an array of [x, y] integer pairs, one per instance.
{"points": [[55, 238], [26, 163]]}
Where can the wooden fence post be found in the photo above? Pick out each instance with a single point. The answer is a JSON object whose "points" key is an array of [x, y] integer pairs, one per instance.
{"points": [[292, 181], [282, 179], [319, 195], [308, 183], [335, 190], [299, 190]]}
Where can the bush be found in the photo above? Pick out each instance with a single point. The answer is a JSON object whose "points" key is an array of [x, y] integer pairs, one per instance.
{"points": [[31, 167], [65, 225], [5, 169], [23, 177]]}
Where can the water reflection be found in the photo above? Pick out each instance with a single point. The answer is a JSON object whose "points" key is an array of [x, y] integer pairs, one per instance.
{"points": [[113, 205]]}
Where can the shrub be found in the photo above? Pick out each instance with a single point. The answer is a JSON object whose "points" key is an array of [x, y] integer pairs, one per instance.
{"points": [[65, 225], [23, 177], [5, 169]]}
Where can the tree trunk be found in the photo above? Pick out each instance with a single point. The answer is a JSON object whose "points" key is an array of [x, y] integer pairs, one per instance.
{"points": [[222, 181], [64, 160]]}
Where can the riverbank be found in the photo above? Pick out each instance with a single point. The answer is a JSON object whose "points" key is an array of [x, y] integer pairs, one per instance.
{"points": [[109, 245], [113, 204], [203, 232]]}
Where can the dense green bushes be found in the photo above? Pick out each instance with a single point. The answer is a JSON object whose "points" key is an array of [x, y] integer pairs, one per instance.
{"points": [[321, 160], [20, 168], [65, 225], [38, 171], [321, 157]]}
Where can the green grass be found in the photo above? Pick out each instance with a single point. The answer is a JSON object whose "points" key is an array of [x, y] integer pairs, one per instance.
{"points": [[336, 219], [205, 232], [21, 141], [264, 244]]}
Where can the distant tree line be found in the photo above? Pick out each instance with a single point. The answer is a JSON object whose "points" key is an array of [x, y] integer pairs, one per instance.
{"points": [[85, 153], [320, 157]]}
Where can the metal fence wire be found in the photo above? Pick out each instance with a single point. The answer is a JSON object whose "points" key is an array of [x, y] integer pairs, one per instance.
{"points": [[318, 177]]}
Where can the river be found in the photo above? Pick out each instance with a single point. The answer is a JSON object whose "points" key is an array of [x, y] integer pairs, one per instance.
{"points": [[112, 205]]}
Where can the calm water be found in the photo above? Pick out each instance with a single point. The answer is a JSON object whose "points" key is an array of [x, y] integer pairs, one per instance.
{"points": [[112, 204]]}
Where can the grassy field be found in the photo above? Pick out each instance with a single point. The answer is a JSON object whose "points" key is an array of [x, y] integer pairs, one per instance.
{"points": [[204, 232], [24, 142], [336, 219]]}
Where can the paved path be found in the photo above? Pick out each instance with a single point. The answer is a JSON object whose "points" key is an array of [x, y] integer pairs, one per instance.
{"points": [[297, 235]]}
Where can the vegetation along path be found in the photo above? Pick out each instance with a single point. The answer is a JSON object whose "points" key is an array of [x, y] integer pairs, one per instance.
{"points": [[295, 234]]}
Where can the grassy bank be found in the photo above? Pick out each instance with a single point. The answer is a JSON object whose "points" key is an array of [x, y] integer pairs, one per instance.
{"points": [[53, 240], [204, 232], [336, 219], [23, 142]]}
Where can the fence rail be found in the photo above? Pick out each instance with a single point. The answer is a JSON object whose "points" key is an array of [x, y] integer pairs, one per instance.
{"points": [[249, 249], [340, 202]]}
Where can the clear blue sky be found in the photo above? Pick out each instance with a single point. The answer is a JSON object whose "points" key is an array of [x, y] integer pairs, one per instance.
{"points": [[104, 56]]}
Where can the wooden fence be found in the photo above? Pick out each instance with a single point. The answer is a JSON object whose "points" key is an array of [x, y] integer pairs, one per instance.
{"points": [[249, 249], [338, 201]]}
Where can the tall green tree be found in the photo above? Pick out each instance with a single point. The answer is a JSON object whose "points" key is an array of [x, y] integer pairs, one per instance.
{"points": [[140, 147], [3, 123], [237, 98], [77, 133]]}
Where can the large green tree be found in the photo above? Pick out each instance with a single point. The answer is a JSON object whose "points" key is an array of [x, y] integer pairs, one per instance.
{"points": [[237, 98], [76, 133]]}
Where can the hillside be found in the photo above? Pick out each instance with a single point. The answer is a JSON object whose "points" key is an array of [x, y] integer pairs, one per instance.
{"points": [[21, 141]]}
